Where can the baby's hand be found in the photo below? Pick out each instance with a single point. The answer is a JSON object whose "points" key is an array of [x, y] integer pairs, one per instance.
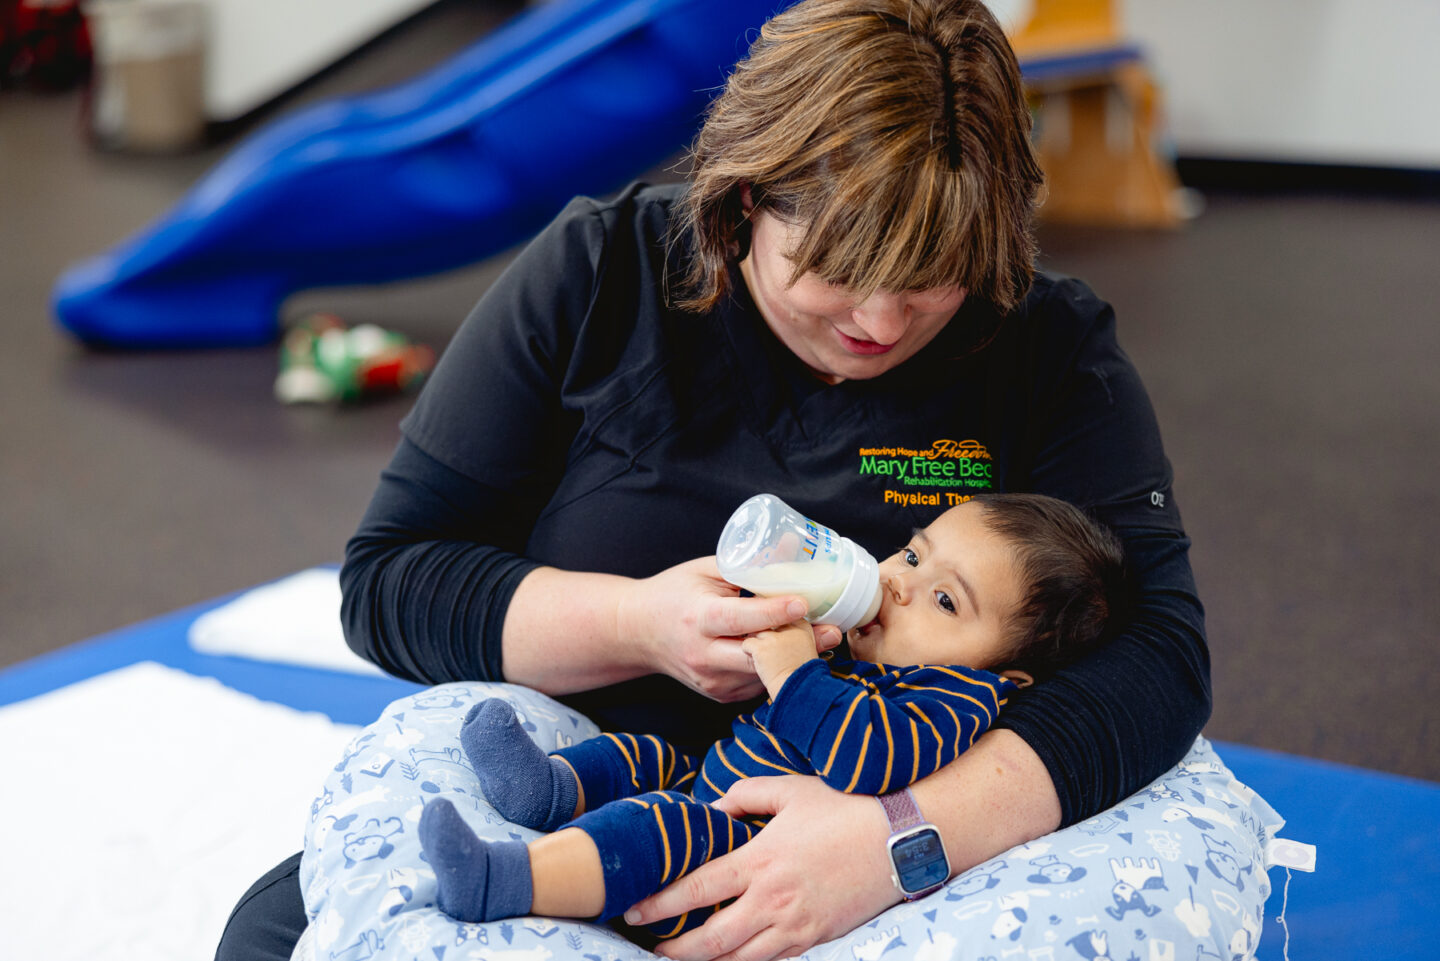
{"points": [[776, 653]]}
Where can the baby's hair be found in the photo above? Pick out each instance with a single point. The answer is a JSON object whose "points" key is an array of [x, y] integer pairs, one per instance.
{"points": [[1075, 581]]}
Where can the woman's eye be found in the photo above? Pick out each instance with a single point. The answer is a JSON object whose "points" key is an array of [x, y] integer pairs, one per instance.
{"points": [[910, 557], [943, 599]]}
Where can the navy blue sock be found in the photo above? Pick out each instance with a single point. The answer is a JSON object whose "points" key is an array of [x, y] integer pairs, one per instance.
{"points": [[524, 784], [479, 880]]}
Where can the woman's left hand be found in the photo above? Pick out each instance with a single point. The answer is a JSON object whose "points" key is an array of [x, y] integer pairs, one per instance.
{"points": [[785, 879]]}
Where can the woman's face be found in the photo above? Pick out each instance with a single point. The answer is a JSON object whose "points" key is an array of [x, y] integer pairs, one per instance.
{"points": [[834, 333]]}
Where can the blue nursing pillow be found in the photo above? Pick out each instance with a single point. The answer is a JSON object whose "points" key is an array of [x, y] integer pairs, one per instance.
{"points": [[1176, 871]]}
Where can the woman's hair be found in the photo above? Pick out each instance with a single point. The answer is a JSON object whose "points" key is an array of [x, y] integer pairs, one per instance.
{"points": [[896, 131], [1075, 582]]}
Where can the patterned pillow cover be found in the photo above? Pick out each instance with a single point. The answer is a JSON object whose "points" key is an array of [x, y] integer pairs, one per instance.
{"points": [[1174, 873]]}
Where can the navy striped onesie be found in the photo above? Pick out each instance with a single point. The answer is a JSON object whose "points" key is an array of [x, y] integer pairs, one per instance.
{"points": [[863, 728]]}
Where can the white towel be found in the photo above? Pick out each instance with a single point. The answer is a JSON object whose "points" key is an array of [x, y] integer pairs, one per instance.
{"points": [[292, 621], [140, 804]]}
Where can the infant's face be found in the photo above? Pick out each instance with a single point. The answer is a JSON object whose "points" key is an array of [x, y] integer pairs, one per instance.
{"points": [[946, 596]]}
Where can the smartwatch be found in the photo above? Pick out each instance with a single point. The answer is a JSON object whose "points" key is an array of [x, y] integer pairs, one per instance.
{"points": [[918, 864]]}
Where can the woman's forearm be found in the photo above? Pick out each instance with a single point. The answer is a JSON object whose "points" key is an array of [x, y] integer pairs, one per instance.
{"points": [[994, 796], [562, 635], [566, 632]]}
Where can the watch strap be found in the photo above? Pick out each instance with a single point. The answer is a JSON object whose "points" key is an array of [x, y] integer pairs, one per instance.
{"points": [[901, 810]]}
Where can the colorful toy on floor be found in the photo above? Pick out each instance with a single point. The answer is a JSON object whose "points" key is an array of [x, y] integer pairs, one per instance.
{"points": [[322, 360]]}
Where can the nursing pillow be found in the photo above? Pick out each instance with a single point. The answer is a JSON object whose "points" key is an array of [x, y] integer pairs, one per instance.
{"points": [[1175, 871]]}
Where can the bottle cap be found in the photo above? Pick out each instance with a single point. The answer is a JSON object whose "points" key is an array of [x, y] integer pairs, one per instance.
{"points": [[859, 602]]}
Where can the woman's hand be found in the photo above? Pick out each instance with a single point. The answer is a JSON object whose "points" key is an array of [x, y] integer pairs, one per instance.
{"points": [[569, 631], [785, 878], [994, 796], [691, 623]]}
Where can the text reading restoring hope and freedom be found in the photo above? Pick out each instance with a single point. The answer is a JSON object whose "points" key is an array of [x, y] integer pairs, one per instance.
{"points": [[963, 466]]}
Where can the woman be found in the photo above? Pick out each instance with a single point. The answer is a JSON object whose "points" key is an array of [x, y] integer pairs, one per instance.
{"points": [[839, 308]]}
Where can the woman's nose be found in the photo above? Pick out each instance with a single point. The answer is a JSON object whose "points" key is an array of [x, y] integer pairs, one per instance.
{"points": [[882, 316]]}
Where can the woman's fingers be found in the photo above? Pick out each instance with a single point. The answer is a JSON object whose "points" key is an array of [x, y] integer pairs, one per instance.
{"points": [[783, 880], [700, 945], [755, 796], [711, 883], [743, 616]]}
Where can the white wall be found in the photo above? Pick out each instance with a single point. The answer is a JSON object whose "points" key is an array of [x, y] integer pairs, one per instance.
{"points": [[258, 49], [1330, 81], [1326, 81]]}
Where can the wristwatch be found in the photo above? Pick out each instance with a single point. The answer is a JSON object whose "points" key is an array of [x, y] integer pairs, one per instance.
{"points": [[918, 864]]}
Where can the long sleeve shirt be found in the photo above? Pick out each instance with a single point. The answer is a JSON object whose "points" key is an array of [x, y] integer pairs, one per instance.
{"points": [[577, 420], [862, 728]]}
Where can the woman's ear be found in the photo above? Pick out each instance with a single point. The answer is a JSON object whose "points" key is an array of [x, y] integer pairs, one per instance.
{"points": [[747, 200], [1021, 678]]}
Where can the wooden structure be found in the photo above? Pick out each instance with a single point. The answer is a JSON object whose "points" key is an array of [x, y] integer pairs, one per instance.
{"points": [[1099, 122]]}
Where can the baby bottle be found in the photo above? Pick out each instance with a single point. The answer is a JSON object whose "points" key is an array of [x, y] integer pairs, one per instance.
{"points": [[768, 548]]}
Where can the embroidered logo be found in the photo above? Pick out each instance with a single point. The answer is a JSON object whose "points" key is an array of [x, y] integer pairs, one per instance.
{"points": [[959, 468]]}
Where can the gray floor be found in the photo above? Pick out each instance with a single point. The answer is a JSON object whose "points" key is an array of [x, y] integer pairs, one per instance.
{"points": [[1289, 343]]}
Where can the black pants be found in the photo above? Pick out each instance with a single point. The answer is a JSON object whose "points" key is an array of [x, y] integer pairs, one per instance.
{"points": [[269, 918]]}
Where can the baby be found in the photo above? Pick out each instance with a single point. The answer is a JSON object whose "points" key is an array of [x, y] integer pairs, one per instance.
{"points": [[994, 593]]}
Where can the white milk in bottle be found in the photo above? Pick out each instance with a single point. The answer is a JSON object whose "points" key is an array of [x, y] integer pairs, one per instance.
{"points": [[769, 548]]}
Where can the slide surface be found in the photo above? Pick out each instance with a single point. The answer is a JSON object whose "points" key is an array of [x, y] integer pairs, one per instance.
{"points": [[460, 163]]}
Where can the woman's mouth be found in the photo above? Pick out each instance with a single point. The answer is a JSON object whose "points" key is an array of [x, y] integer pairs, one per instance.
{"points": [[866, 348]]}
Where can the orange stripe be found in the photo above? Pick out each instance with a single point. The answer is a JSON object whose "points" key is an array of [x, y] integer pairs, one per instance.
{"points": [[761, 760], [634, 777], [720, 753], [959, 728], [779, 748], [706, 778], [914, 751], [685, 815], [889, 745], [840, 735], [860, 761], [665, 839], [659, 760], [939, 742]]}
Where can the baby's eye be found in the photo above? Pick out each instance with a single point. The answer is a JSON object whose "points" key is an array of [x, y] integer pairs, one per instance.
{"points": [[943, 599], [909, 557]]}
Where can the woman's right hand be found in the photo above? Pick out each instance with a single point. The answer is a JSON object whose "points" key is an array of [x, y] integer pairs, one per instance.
{"points": [[690, 623]]}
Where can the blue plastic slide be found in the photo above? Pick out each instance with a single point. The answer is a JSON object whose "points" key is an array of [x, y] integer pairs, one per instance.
{"points": [[574, 96]]}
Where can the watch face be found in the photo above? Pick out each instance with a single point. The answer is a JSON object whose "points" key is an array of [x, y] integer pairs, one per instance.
{"points": [[919, 860]]}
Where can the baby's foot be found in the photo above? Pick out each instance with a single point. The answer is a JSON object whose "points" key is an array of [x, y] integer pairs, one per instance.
{"points": [[478, 880], [522, 782]]}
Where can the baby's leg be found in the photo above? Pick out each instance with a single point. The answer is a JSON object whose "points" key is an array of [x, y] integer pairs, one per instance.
{"points": [[525, 785], [480, 880], [646, 842], [615, 766]]}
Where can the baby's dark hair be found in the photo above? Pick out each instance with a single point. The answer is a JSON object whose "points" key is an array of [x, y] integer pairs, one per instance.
{"points": [[1076, 583]]}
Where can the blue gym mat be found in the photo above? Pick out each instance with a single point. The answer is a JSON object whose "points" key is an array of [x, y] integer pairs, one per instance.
{"points": [[1374, 893]]}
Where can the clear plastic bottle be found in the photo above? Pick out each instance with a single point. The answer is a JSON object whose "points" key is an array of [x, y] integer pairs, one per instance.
{"points": [[769, 548]]}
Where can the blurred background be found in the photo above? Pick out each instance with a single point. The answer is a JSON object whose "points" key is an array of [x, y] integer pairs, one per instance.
{"points": [[1255, 187]]}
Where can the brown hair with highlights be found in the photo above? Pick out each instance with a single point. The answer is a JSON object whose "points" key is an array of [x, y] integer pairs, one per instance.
{"points": [[896, 131]]}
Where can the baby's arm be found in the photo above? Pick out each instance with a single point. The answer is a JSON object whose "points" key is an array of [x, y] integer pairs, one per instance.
{"points": [[776, 654], [882, 729]]}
